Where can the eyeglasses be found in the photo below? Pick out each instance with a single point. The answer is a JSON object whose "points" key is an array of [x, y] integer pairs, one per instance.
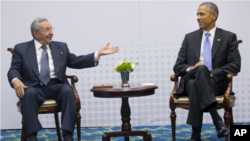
{"points": [[47, 30]]}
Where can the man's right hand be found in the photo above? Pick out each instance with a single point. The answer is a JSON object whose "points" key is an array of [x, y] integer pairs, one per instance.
{"points": [[197, 64], [19, 88]]}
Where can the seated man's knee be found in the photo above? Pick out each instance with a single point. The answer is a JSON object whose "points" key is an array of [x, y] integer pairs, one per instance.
{"points": [[29, 93], [67, 90], [202, 68]]}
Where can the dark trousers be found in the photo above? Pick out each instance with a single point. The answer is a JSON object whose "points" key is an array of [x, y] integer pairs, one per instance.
{"points": [[201, 89], [35, 96]]}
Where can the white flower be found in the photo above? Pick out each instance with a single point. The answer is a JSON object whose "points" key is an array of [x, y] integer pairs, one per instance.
{"points": [[133, 66], [120, 62], [115, 66]]}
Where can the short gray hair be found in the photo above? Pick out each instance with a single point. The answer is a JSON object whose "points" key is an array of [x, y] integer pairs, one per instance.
{"points": [[212, 7], [35, 25]]}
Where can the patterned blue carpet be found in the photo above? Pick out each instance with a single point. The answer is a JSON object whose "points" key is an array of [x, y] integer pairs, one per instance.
{"points": [[159, 133]]}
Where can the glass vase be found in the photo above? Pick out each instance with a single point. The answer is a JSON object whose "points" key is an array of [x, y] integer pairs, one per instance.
{"points": [[125, 78]]}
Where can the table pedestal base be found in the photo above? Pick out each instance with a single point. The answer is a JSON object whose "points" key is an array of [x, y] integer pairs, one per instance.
{"points": [[124, 94], [146, 135]]}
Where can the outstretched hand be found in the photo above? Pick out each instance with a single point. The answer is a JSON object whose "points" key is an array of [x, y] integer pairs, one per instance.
{"points": [[105, 50]]}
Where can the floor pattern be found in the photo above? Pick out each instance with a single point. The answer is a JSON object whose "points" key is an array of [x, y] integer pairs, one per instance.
{"points": [[159, 133]]}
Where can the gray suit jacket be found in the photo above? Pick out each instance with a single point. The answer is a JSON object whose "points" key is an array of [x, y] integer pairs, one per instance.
{"points": [[225, 55]]}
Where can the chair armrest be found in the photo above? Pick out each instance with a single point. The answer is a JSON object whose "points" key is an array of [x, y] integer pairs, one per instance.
{"points": [[74, 80], [230, 75], [11, 50], [229, 86], [173, 78]]}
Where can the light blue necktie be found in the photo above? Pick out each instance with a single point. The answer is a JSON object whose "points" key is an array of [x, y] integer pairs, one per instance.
{"points": [[45, 71], [207, 52]]}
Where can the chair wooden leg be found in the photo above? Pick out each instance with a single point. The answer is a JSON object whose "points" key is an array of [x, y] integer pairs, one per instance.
{"points": [[147, 137], [58, 126], [24, 133], [105, 137], [173, 119], [231, 115], [227, 120], [78, 125]]}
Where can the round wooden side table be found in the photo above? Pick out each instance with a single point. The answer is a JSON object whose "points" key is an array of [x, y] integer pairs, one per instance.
{"points": [[135, 90]]}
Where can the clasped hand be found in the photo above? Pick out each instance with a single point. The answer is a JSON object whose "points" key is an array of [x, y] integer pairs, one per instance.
{"points": [[197, 64]]}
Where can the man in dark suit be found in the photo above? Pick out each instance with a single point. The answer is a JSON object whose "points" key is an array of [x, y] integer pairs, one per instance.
{"points": [[205, 58], [37, 73]]}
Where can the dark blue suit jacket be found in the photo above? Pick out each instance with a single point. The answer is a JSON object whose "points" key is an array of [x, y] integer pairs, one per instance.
{"points": [[225, 56], [24, 62]]}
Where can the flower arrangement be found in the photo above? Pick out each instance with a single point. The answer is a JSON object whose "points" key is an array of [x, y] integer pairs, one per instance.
{"points": [[125, 66]]}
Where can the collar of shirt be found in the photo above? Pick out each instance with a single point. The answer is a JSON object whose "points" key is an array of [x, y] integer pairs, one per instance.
{"points": [[38, 45], [212, 32]]}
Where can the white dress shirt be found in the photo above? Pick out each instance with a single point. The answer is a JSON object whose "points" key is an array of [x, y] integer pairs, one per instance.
{"points": [[211, 39], [51, 64], [39, 51]]}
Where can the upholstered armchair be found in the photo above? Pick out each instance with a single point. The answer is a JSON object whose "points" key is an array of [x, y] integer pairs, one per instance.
{"points": [[226, 101], [50, 106]]}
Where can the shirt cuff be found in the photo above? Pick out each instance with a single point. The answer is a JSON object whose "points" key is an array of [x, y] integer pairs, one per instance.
{"points": [[96, 58], [188, 69], [13, 80]]}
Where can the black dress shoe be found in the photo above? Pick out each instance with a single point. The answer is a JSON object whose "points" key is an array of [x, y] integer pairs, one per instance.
{"points": [[195, 139], [222, 130], [68, 137], [33, 137]]}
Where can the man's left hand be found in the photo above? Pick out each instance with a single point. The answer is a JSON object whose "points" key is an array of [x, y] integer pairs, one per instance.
{"points": [[105, 50]]}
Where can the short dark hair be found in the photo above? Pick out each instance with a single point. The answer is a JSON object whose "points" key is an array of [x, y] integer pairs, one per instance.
{"points": [[212, 7]]}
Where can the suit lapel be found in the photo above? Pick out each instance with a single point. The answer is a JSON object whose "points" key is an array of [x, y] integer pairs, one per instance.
{"points": [[32, 57], [217, 42], [198, 44], [56, 53]]}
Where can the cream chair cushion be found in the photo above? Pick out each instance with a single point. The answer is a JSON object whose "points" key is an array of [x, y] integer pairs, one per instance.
{"points": [[184, 99], [47, 103]]}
